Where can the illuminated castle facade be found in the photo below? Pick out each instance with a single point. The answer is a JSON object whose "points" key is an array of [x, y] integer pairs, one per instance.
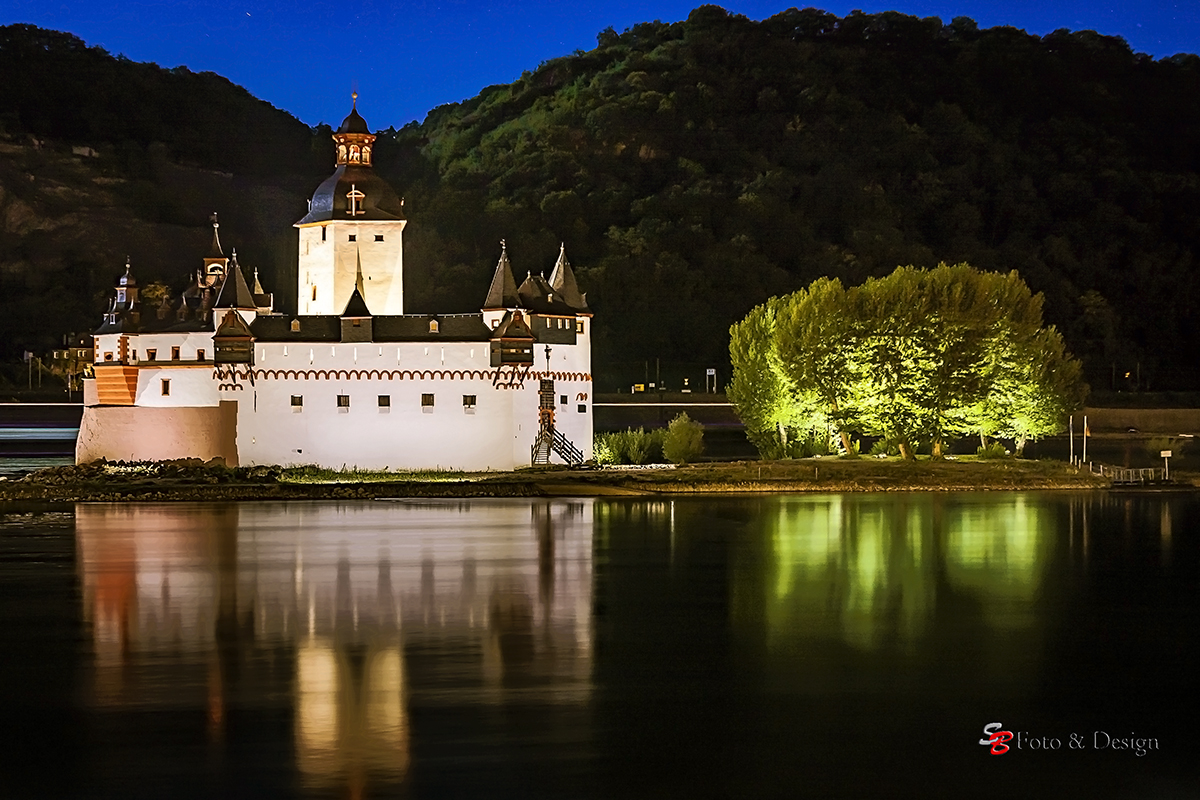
{"points": [[351, 380]]}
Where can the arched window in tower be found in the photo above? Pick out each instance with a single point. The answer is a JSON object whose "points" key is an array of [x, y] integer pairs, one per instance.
{"points": [[341, 154], [366, 154], [355, 154]]}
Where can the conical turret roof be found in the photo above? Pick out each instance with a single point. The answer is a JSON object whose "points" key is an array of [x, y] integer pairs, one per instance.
{"points": [[562, 280], [503, 291], [235, 292], [356, 306]]}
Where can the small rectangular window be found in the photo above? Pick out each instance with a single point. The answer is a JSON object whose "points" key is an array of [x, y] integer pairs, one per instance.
{"points": [[323, 232], [379, 237], [108, 356], [579, 326], [151, 355], [298, 399], [468, 401], [385, 401], [353, 237], [314, 293], [166, 387], [582, 408], [562, 399], [343, 401], [199, 355], [174, 353], [427, 401]]}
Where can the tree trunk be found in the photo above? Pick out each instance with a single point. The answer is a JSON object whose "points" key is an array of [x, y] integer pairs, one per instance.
{"points": [[906, 451], [1019, 446], [937, 448], [982, 440], [847, 443]]}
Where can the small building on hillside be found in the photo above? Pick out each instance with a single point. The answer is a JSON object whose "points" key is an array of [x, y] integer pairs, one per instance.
{"points": [[351, 380]]}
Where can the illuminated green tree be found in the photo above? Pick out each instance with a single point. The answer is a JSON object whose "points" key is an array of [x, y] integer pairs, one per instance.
{"points": [[774, 413], [919, 355], [819, 333]]}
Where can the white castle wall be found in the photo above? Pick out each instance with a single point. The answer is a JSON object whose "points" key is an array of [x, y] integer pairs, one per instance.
{"points": [[496, 433], [330, 266]]}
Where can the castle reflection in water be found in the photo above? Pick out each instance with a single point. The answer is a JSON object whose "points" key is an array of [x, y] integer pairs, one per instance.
{"points": [[218, 606]]}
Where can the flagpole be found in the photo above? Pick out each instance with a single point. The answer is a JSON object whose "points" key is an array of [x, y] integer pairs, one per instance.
{"points": [[1085, 433]]}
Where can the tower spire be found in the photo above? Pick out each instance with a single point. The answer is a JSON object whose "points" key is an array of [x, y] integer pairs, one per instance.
{"points": [[503, 291], [562, 280]]}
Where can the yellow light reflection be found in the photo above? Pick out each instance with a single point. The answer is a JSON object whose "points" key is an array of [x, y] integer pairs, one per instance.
{"points": [[866, 569]]}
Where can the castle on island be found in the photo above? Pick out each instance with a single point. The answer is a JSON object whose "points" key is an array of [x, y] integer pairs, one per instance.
{"points": [[350, 380]]}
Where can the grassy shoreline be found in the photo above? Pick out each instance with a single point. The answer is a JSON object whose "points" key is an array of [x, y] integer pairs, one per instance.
{"points": [[193, 481]]}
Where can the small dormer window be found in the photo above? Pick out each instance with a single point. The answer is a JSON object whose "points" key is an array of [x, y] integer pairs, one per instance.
{"points": [[549, 298], [433, 326], [296, 324]]}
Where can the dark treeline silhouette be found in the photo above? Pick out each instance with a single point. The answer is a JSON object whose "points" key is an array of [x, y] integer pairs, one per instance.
{"points": [[694, 169]]}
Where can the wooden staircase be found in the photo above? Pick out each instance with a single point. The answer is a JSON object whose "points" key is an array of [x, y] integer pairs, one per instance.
{"points": [[550, 441]]}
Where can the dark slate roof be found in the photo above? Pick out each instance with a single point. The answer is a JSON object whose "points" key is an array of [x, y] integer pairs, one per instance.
{"points": [[406, 328], [278, 328], [235, 292], [354, 123], [538, 296], [415, 328], [232, 325], [356, 306], [512, 326], [329, 201], [503, 291], [562, 280]]}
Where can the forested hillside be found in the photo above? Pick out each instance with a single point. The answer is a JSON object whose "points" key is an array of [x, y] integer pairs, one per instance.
{"points": [[695, 169], [102, 157]]}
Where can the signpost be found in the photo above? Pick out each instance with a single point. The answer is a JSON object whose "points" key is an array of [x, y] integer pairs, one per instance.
{"points": [[1166, 455]]}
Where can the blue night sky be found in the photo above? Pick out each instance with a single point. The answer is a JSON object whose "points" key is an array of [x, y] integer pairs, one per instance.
{"points": [[304, 56]]}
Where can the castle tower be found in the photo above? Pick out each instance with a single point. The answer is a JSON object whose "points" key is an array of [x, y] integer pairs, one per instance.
{"points": [[354, 217]]}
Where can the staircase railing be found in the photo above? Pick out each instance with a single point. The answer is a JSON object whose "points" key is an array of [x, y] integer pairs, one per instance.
{"points": [[550, 441]]}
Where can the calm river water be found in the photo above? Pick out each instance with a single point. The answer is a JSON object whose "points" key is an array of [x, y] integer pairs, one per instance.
{"points": [[800, 646]]}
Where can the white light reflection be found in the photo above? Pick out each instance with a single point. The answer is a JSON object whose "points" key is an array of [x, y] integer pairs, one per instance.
{"points": [[191, 596]]}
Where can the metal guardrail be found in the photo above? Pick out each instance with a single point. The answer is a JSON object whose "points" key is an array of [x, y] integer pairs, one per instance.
{"points": [[1123, 476]]}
